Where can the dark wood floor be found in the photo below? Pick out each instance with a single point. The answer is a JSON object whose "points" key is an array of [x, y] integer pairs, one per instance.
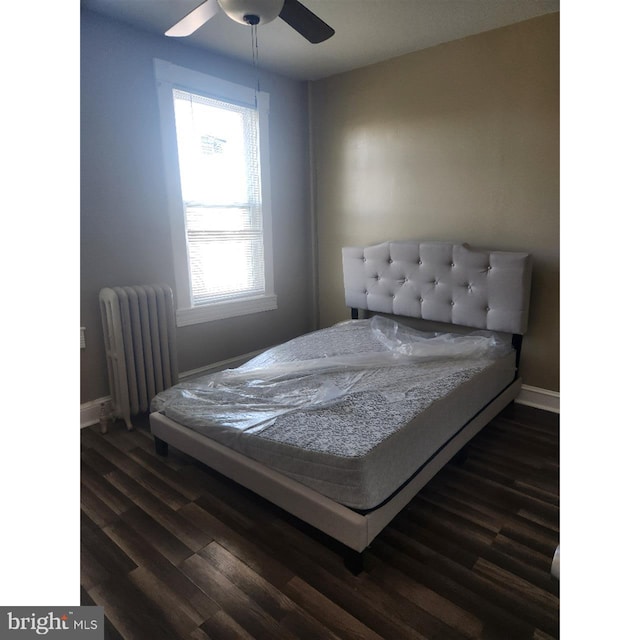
{"points": [[173, 550]]}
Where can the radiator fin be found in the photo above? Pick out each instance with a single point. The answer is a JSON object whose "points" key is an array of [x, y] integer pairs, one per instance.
{"points": [[139, 336]]}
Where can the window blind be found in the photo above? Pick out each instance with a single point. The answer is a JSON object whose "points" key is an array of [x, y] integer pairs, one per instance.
{"points": [[218, 151]]}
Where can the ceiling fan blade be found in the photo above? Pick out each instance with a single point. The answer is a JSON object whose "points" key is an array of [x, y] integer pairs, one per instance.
{"points": [[194, 19], [306, 23]]}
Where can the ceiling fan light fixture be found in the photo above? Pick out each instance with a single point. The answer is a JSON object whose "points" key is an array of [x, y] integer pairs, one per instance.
{"points": [[252, 12]]}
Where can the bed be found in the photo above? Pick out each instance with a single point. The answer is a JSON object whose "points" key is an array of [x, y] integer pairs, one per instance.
{"points": [[343, 426]]}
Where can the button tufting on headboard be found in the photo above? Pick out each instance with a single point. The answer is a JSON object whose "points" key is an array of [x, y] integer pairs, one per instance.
{"points": [[439, 281]]}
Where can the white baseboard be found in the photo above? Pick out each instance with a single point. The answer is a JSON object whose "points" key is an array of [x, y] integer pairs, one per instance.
{"points": [[530, 396], [230, 363], [539, 398], [90, 411]]}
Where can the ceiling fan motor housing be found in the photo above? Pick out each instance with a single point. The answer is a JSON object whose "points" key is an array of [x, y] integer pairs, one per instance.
{"points": [[252, 12]]}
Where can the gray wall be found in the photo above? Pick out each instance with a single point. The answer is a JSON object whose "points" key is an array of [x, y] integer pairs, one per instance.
{"points": [[456, 142], [125, 236]]}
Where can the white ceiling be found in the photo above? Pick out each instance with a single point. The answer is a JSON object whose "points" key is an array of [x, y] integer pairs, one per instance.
{"points": [[367, 31]]}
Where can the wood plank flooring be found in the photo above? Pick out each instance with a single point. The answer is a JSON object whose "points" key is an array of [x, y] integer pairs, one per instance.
{"points": [[173, 550]]}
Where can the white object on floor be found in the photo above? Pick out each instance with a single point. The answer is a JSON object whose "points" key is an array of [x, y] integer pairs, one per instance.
{"points": [[555, 564]]}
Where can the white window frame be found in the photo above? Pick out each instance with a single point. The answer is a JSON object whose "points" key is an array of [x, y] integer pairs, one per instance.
{"points": [[168, 76]]}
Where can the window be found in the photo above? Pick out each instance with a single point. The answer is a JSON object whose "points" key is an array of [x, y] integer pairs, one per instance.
{"points": [[215, 136]]}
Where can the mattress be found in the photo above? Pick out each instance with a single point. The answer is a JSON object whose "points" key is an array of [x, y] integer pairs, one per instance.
{"points": [[352, 411]]}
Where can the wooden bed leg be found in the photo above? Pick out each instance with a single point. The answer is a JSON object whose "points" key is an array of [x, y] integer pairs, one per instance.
{"points": [[354, 561], [460, 457], [162, 448]]}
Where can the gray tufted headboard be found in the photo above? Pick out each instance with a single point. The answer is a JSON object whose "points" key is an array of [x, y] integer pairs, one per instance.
{"points": [[442, 282]]}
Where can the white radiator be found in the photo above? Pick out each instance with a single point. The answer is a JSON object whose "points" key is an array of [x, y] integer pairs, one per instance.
{"points": [[139, 337]]}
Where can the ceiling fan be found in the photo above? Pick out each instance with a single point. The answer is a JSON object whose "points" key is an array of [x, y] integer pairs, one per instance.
{"points": [[254, 12]]}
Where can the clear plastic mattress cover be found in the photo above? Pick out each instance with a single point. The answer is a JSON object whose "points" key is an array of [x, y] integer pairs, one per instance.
{"points": [[325, 374]]}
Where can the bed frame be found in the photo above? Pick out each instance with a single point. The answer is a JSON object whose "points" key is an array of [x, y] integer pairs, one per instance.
{"points": [[435, 281]]}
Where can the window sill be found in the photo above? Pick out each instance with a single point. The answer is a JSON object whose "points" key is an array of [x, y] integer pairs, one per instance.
{"points": [[220, 310]]}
